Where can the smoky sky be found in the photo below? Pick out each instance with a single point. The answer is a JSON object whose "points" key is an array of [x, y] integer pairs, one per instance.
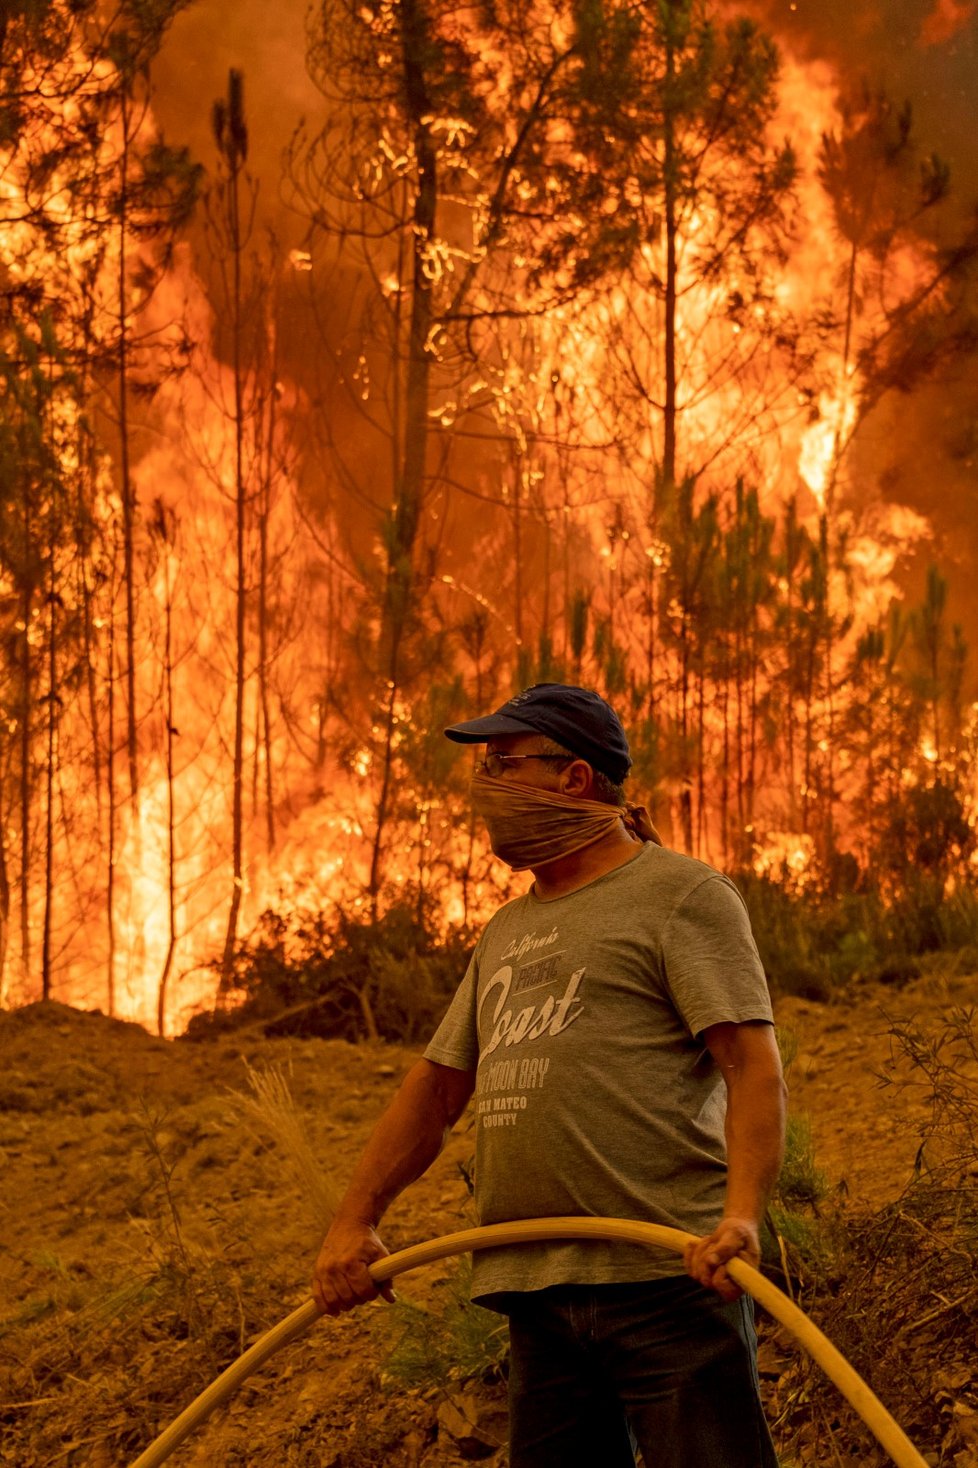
{"points": [[924, 51], [921, 451], [918, 449], [267, 43]]}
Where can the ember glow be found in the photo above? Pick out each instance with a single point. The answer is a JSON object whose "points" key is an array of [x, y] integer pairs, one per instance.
{"points": [[689, 527]]}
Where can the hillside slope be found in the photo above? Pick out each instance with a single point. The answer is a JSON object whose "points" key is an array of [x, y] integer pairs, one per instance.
{"points": [[155, 1226]]}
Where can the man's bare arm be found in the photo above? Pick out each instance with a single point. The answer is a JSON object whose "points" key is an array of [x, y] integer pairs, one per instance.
{"points": [[404, 1143], [748, 1057]]}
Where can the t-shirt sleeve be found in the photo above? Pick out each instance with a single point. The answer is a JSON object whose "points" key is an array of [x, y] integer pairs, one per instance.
{"points": [[710, 960], [456, 1040]]}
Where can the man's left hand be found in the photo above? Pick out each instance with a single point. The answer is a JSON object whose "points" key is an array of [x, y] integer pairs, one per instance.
{"points": [[706, 1259]]}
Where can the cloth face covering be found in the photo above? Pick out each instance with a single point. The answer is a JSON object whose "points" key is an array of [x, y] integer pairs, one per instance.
{"points": [[529, 827]]}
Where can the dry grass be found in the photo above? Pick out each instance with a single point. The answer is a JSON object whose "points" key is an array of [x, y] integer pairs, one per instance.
{"points": [[270, 1109], [113, 1346], [144, 1245], [153, 1228], [897, 1290]]}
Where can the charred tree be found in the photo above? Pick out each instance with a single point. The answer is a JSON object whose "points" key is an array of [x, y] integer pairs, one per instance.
{"points": [[265, 494], [231, 136], [473, 634], [404, 522], [940, 656], [164, 527], [125, 477], [27, 532], [672, 17], [53, 701], [110, 782], [25, 721], [794, 540], [693, 534], [154, 191]]}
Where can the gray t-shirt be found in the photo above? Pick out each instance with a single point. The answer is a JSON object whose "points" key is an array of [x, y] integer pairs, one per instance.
{"points": [[595, 1093]]}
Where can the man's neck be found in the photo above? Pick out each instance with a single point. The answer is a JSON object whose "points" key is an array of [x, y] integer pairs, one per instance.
{"points": [[568, 873]]}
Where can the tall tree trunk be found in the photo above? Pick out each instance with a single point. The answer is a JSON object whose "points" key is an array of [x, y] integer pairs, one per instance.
{"points": [[700, 756], [725, 758], [86, 598], [653, 565], [546, 638], [478, 637], [27, 695], [650, 638], [806, 797], [686, 789], [386, 784], [933, 619], [813, 643], [330, 640], [263, 698], [233, 143], [517, 550], [838, 446], [168, 714], [128, 504], [828, 638], [790, 558], [50, 762], [739, 597], [110, 781], [239, 619], [565, 521], [671, 224], [410, 489], [4, 913], [752, 644]]}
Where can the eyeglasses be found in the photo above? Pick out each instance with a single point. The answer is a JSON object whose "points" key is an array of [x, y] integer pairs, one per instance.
{"points": [[494, 764]]}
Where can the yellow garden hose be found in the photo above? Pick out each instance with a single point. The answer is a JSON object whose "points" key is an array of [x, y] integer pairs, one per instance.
{"points": [[532, 1230]]}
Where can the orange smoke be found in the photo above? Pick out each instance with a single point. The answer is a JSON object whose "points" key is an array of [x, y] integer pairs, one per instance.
{"points": [[945, 21]]}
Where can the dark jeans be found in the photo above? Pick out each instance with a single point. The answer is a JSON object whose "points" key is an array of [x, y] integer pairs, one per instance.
{"points": [[664, 1363]]}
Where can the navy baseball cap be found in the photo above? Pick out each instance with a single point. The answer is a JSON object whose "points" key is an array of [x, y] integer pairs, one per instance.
{"points": [[577, 718]]}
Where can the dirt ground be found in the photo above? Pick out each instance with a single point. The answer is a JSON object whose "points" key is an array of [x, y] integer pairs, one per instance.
{"points": [[153, 1227]]}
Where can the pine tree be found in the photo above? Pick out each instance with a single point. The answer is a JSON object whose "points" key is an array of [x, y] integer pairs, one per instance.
{"points": [[458, 215], [896, 326], [154, 190], [707, 213], [231, 137]]}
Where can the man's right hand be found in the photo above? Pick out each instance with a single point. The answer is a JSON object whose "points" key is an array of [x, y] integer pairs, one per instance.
{"points": [[341, 1280], [405, 1141]]}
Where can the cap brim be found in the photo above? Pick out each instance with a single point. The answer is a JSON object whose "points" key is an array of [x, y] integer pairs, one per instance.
{"points": [[478, 731]]}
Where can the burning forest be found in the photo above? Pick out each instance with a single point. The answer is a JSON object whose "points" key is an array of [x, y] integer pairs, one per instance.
{"points": [[570, 350], [363, 363]]}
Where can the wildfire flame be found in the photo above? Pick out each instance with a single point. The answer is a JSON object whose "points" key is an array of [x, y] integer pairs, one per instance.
{"points": [[312, 837]]}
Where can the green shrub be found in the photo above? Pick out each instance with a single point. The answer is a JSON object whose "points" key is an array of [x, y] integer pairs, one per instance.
{"points": [[813, 941], [458, 1342], [804, 1240], [794, 1240], [800, 1181], [957, 920], [810, 942], [346, 976]]}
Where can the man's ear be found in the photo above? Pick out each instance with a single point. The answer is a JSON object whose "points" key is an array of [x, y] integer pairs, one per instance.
{"points": [[577, 779]]}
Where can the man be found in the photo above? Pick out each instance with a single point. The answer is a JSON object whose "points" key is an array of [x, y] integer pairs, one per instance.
{"points": [[615, 1026]]}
